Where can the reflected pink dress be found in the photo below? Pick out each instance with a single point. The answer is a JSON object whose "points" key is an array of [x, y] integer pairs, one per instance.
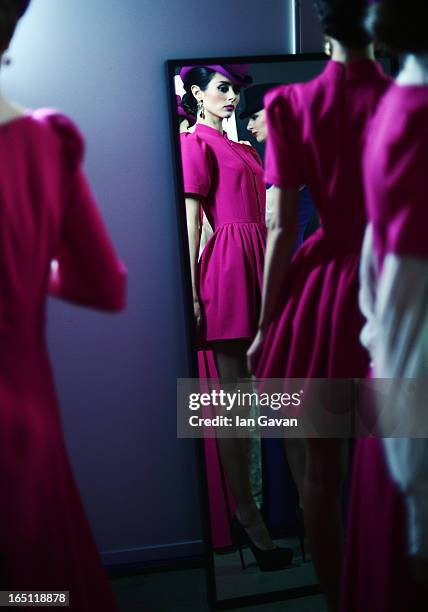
{"points": [[227, 177], [378, 575], [46, 212], [316, 135]]}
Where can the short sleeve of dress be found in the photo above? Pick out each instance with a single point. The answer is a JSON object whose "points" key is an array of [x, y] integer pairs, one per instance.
{"points": [[281, 164], [407, 185], [70, 138], [197, 165], [85, 267]]}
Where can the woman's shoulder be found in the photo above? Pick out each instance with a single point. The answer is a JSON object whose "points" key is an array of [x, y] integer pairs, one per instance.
{"points": [[62, 129], [397, 139], [248, 149], [403, 114], [193, 145], [286, 98], [281, 93]]}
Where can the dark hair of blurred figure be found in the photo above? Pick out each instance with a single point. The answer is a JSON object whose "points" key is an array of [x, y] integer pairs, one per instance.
{"points": [[345, 21], [10, 13], [401, 26]]}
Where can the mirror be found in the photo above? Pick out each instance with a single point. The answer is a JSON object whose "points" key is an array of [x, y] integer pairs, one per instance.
{"points": [[223, 213]]}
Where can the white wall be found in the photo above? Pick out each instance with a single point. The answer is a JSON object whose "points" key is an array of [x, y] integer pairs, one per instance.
{"points": [[102, 62]]}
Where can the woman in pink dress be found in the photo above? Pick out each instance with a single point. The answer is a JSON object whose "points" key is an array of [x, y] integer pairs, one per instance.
{"points": [[47, 213], [310, 321], [387, 547], [225, 178]]}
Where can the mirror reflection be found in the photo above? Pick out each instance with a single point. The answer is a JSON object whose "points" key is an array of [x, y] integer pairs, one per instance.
{"points": [[255, 486]]}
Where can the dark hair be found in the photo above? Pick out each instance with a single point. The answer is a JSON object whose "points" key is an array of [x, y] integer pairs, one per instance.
{"points": [[200, 76], [10, 12], [345, 21], [402, 27]]}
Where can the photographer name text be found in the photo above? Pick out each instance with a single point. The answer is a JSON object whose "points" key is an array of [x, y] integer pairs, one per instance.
{"points": [[239, 421]]}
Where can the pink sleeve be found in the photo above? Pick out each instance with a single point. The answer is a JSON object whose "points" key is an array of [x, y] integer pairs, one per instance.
{"points": [[86, 269], [197, 165], [407, 185], [281, 166], [254, 153]]}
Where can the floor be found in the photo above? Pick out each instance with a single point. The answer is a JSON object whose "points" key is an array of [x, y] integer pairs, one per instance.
{"points": [[184, 590]]}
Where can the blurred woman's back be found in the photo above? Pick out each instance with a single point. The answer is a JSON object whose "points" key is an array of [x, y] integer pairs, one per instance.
{"points": [[52, 240]]}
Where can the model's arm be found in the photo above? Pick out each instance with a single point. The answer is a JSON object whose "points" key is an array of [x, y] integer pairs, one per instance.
{"points": [[281, 241], [194, 237], [86, 269]]}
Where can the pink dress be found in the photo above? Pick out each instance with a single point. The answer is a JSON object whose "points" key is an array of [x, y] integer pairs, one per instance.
{"points": [[227, 177], [46, 212], [316, 133], [378, 574]]}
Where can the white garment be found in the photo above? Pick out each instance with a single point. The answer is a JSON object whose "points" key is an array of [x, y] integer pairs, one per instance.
{"points": [[415, 71], [396, 334], [269, 206], [206, 233], [269, 196]]}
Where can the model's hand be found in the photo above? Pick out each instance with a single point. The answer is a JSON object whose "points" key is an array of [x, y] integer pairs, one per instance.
{"points": [[253, 353], [420, 570], [246, 142]]}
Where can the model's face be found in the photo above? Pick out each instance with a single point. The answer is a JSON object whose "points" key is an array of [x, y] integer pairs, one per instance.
{"points": [[257, 126], [220, 98]]}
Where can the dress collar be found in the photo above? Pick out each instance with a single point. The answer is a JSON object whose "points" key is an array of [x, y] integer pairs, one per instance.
{"points": [[353, 69], [206, 129]]}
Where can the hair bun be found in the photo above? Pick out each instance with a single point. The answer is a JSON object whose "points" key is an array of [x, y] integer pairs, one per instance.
{"points": [[345, 21], [189, 104]]}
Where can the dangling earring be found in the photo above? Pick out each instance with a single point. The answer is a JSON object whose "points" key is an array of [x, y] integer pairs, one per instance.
{"points": [[201, 110]]}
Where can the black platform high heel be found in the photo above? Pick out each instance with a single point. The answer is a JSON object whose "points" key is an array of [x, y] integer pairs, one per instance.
{"points": [[268, 560]]}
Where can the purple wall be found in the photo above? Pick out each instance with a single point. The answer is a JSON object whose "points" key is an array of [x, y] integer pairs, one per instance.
{"points": [[102, 62]]}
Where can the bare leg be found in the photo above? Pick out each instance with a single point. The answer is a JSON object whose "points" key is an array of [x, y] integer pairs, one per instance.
{"points": [[325, 473], [230, 357], [295, 449]]}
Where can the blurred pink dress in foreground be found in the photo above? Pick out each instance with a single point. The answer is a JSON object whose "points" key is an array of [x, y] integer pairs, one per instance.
{"points": [[46, 212], [316, 136], [378, 574]]}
